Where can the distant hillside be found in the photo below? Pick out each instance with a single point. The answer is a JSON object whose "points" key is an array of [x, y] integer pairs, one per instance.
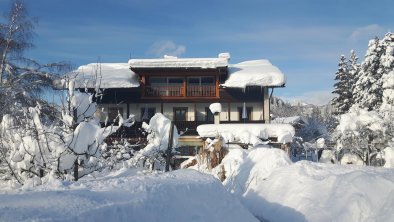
{"points": [[320, 121]]}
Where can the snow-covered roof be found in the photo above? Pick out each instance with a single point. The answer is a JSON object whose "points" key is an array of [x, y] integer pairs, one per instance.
{"points": [[119, 75], [105, 75], [254, 73], [173, 62]]}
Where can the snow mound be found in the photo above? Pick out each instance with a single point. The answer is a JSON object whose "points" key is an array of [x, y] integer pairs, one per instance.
{"points": [[254, 73], [274, 189], [183, 195], [389, 157], [243, 168], [105, 75]]}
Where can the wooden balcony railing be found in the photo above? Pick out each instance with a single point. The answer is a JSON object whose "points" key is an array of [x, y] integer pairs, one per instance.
{"points": [[203, 91], [163, 91], [179, 91]]}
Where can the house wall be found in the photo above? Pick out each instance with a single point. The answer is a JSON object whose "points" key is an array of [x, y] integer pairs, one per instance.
{"points": [[168, 109], [257, 111]]}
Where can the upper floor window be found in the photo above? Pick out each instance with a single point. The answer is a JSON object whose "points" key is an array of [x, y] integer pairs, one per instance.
{"points": [[166, 81], [201, 80]]}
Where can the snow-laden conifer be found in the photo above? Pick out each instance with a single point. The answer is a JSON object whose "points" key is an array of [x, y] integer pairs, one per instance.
{"points": [[367, 92], [342, 88]]}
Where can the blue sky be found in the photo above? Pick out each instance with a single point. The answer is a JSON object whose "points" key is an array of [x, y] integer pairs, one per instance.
{"points": [[303, 38]]}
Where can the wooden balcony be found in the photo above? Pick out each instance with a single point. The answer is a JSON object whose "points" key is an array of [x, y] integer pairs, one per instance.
{"points": [[201, 91], [179, 91], [164, 91]]}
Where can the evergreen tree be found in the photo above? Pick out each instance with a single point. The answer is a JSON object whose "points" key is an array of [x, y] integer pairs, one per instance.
{"points": [[343, 88], [354, 69], [367, 91], [387, 61]]}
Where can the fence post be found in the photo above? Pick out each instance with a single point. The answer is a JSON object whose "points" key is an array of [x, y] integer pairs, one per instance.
{"points": [[76, 170], [169, 148]]}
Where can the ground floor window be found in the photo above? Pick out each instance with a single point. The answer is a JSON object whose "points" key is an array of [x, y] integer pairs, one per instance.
{"points": [[113, 113], [209, 115], [180, 113], [147, 113], [245, 115]]}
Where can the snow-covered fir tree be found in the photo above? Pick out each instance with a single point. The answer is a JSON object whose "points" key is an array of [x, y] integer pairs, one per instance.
{"points": [[367, 91], [387, 107], [342, 88], [354, 69]]}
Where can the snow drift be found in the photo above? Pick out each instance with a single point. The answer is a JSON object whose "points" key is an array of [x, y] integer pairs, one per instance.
{"points": [[274, 189], [183, 195]]}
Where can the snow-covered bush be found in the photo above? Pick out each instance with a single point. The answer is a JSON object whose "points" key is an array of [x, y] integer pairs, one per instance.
{"points": [[357, 133], [153, 155], [69, 148]]}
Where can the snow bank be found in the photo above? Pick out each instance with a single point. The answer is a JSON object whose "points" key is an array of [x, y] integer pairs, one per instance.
{"points": [[327, 156], [254, 73], [244, 167], [248, 133], [274, 189], [389, 157], [105, 75], [183, 195]]}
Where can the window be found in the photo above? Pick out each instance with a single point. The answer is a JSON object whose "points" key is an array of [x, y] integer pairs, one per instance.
{"points": [[113, 113], [147, 113], [201, 80], [166, 81], [158, 81], [248, 113], [209, 116], [180, 113], [201, 86], [175, 81], [209, 80], [195, 81]]}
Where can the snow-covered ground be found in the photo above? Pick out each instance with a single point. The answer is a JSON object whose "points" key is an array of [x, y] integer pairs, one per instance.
{"points": [[275, 189], [183, 195], [261, 183]]}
